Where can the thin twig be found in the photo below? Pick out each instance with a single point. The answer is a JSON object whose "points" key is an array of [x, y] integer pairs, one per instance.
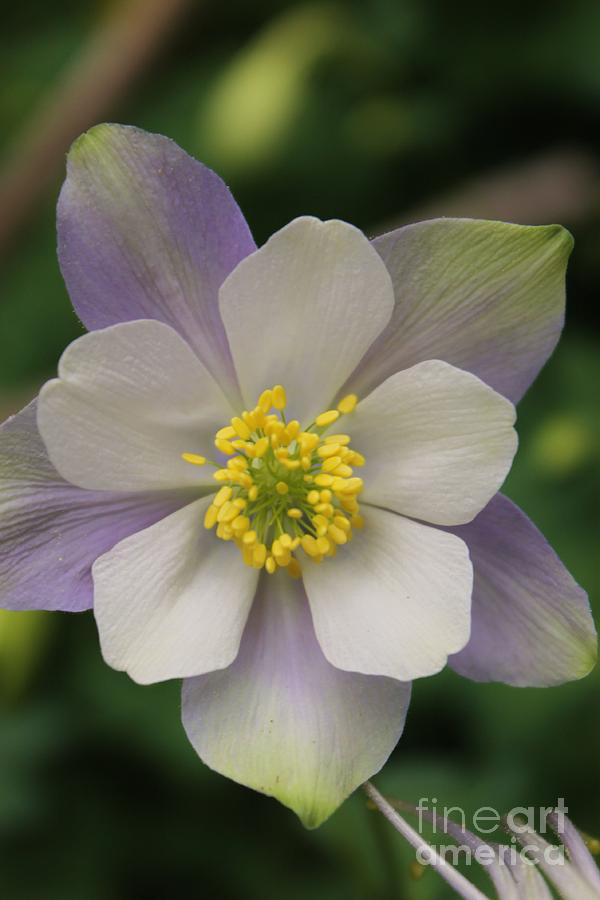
{"points": [[89, 89]]}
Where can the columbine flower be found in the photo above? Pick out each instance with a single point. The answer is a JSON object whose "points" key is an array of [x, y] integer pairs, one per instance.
{"points": [[275, 464]]}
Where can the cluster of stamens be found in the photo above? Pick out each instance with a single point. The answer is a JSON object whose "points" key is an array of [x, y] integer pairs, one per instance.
{"points": [[284, 489]]}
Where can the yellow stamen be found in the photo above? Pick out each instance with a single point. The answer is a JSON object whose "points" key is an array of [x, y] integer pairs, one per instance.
{"points": [[265, 401], [279, 398], [327, 418], [223, 494], [282, 489], [240, 428], [329, 450], [347, 404], [342, 439], [194, 458], [261, 447], [210, 516], [226, 433]]}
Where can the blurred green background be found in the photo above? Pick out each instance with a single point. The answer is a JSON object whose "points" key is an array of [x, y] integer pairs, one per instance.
{"points": [[374, 111]]}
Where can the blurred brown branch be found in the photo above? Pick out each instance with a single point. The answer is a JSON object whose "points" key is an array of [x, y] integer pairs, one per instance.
{"points": [[562, 186], [117, 52]]}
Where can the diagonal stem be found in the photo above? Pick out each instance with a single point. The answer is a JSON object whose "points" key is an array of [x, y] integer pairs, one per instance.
{"points": [[457, 881]]}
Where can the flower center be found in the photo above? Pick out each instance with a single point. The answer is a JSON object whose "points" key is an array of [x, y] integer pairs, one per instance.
{"points": [[283, 489]]}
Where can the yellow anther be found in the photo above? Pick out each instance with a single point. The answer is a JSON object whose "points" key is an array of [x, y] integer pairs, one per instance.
{"points": [[323, 545], [253, 419], [259, 555], [275, 427], [342, 439], [240, 525], [240, 428], [237, 462], [278, 397], [227, 512], [222, 495], [194, 458], [337, 535], [282, 554], [342, 522], [261, 447], [330, 464], [294, 568], [224, 446], [355, 458], [325, 509], [210, 516], [224, 531], [347, 404], [308, 440], [292, 429], [329, 450], [342, 470], [327, 418], [265, 401], [309, 545], [225, 434], [322, 497]]}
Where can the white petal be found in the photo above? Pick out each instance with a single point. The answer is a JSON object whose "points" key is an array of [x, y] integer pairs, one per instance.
{"points": [[129, 400], [172, 601], [395, 601], [283, 721], [438, 443], [303, 310]]}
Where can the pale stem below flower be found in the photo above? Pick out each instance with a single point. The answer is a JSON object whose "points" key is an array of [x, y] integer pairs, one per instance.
{"points": [[457, 881]]}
